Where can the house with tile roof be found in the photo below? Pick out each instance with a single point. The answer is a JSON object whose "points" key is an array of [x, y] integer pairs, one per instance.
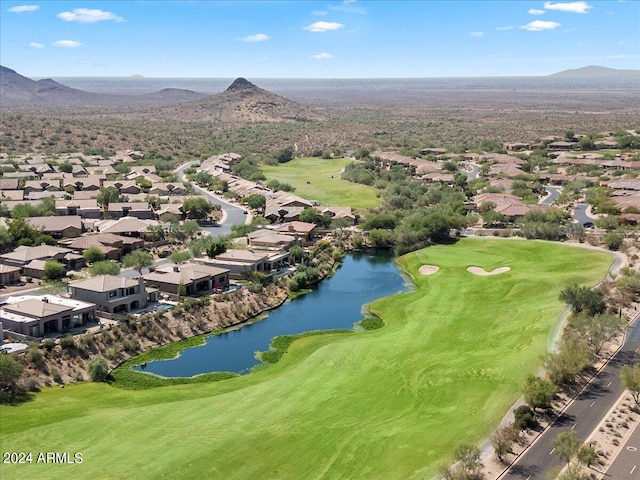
{"points": [[43, 315], [110, 293]]}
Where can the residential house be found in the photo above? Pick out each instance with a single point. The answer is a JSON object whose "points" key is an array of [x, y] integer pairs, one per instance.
{"points": [[170, 212], [41, 186], [187, 278], [8, 183], [90, 183], [9, 275], [105, 170], [267, 238], [41, 315], [24, 254], [113, 246], [68, 226], [304, 231], [15, 195], [338, 213], [170, 188], [140, 210], [123, 186], [110, 293], [85, 208], [241, 262], [129, 226]]}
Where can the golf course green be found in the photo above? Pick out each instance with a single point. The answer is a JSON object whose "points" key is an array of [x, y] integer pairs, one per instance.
{"points": [[320, 179], [391, 403]]}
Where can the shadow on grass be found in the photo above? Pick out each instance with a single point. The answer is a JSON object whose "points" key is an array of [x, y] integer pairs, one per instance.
{"points": [[16, 398]]}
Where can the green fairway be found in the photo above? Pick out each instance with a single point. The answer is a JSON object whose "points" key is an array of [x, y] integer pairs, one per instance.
{"points": [[391, 403], [319, 179]]}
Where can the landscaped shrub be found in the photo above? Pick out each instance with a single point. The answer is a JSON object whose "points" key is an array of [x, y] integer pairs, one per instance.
{"points": [[525, 418], [49, 344], [67, 342], [98, 369]]}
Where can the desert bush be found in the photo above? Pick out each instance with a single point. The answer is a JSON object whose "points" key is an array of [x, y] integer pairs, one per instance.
{"points": [[525, 418], [67, 342]]}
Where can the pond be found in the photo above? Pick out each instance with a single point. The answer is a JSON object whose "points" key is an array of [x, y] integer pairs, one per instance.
{"points": [[335, 303]]}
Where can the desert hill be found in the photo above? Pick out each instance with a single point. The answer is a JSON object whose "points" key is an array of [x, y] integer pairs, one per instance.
{"points": [[595, 72], [243, 102], [19, 91]]}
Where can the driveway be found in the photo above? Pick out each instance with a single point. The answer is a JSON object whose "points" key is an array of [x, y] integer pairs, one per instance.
{"points": [[581, 216], [552, 195]]}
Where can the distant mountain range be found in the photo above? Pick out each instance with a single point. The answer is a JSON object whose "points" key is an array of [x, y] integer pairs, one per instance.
{"points": [[244, 102], [19, 91], [594, 72]]}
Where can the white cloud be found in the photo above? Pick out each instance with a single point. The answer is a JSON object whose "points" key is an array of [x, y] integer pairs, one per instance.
{"points": [[88, 15], [323, 26], [476, 34], [540, 25], [508, 27], [258, 37], [322, 56], [36, 45], [319, 13], [24, 9], [535, 11], [575, 7], [66, 43]]}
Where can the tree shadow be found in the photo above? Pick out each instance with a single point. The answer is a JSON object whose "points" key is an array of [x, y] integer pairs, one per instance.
{"points": [[16, 398]]}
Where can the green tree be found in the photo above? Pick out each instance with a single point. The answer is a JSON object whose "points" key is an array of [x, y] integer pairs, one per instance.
{"points": [[93, 255], [538, 392], [587, 454], [105, 267], [285, 155], [138, 260], [567, 445], [217, 247], [53, 270], [109, 195], [569, 361], [524, 418], [630, 376], [10, 372], [583, 299], [256, 202], [180, 256], [296, 254], [599, 329], [185, 230], [613, 240], [503, 439], [197, 208], [98, 369]]}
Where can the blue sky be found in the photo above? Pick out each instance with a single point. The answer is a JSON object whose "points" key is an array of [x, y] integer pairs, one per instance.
{"points": [[310, 39]]}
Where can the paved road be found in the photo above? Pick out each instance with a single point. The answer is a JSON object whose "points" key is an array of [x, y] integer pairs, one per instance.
{"points": [[552, 194], [626, 465], [475, 170], [234, 215], [582, 416], [580, 214]]}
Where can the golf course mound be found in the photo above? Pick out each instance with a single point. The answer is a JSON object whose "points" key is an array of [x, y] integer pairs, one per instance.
{"points": [[483, 273], [428, 269]]}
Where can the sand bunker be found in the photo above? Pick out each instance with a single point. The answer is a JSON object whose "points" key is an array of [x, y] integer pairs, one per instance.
{"points": [[428, 269], [483, 272]]}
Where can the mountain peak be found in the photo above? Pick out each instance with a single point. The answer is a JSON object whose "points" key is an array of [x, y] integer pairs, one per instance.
{"points": [[240, 84]]}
